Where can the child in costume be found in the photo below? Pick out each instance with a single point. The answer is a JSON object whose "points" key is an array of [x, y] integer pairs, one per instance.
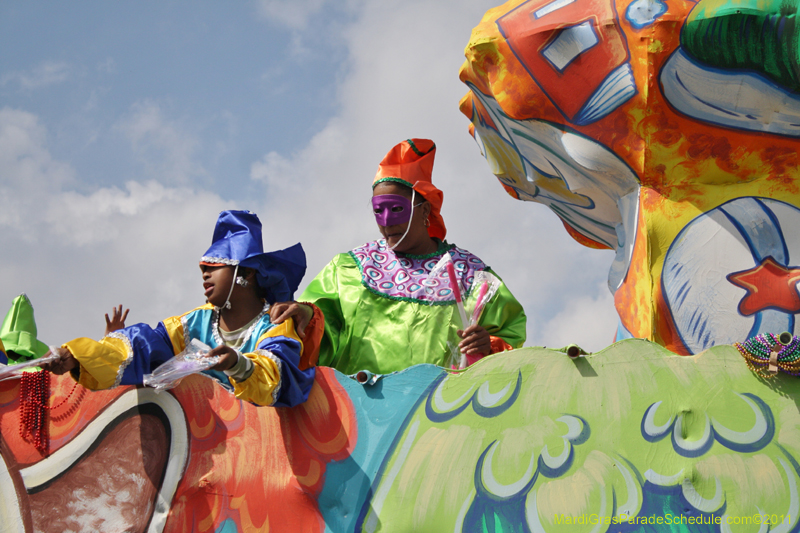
{"points": [[380, 312], [260, 362], [18, 341]]}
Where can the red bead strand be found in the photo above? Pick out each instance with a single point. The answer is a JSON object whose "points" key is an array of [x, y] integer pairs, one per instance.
{"points": [[34, 395]]}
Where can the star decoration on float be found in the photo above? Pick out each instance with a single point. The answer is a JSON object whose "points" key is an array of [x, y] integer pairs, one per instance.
{"points": [[768, 285]]}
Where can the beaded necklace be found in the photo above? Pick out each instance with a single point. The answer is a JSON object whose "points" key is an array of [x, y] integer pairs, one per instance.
{"points": [[756, 352], [34, 393], [215, 326]]}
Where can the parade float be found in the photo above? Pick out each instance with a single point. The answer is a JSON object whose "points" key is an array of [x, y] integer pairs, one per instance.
{"points": [[664, 131]]}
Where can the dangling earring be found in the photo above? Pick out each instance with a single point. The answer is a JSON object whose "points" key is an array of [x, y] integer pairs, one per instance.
{"points": [[235, 279], [241, 281], [427, 222]]}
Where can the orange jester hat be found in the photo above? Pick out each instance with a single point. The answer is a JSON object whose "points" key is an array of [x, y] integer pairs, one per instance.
{"points": [[411, 163]]}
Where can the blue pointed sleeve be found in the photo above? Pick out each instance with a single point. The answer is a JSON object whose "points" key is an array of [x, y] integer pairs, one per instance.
{"points": [[151, 348]]}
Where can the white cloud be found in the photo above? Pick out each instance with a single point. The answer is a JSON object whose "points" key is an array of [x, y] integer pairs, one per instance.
{"points": [[83, 220], [43, 75], [585, 321], [76, 254], [165, 147], [26, 169], [270, 169], [23, 151]]}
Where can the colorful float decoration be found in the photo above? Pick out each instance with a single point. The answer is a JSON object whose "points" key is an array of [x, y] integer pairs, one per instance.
{"points": [[665, 131], [633, 438]]}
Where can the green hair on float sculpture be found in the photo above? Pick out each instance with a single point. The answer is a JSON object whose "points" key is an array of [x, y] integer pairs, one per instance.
{"points": [[758, 35]]}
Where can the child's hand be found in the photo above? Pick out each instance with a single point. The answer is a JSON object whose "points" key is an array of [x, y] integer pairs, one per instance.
{"points": [[476, 341], [118, 320], [64, 364], [301, 313], [228, 357]]}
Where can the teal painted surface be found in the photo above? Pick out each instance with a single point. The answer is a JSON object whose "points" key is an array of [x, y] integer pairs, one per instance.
{"points": [[382, 409]]}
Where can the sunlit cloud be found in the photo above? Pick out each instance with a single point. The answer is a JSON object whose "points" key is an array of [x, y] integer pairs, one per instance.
{"points": [[74, 252], [167, 150], [26, 170], [585, 320]]}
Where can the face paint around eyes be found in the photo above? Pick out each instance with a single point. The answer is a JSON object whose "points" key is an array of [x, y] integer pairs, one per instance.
{"points": [[391, 209]]}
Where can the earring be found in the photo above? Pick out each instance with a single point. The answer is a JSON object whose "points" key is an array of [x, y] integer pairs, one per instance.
{"points": [[427, 222], [241, 281]]}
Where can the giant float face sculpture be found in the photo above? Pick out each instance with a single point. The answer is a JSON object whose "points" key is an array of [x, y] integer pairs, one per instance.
{"points": [[665, 131]]}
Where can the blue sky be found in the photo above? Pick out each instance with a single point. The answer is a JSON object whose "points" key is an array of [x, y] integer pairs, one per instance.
{"points": [[126, 127], [216, 72]]}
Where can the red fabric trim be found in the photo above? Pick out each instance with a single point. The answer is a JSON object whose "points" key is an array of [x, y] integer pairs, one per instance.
{"points": [[499, 345], [435, 197], [312, 338]]}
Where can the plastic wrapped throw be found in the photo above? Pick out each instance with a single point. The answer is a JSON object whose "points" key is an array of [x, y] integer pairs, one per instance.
{"points": [[192, 360], [470, 307]]}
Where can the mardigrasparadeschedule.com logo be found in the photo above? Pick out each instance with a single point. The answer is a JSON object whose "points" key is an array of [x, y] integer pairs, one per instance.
{"points": [[669, 519]]}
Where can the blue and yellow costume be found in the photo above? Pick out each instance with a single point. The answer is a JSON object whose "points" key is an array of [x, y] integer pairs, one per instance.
{"points": [[283, 368]]}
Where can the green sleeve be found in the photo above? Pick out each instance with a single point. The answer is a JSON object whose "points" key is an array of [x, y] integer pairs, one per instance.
{"points": [[323, 292], [504, 317]]}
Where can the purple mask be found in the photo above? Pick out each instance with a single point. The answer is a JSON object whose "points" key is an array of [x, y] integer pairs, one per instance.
{"points": [[391, 209]]}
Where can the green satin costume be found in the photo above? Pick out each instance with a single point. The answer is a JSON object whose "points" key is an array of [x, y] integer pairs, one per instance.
{"points": [[367, 328]]}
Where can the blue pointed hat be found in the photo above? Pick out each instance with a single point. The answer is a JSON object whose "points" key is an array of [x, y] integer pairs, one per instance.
{"points": [[237, 241]]}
